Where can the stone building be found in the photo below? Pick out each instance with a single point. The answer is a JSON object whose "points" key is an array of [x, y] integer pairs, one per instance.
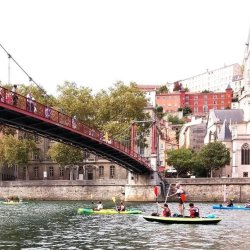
{"points": [[215, 80], [41, 167], [232, 127]]}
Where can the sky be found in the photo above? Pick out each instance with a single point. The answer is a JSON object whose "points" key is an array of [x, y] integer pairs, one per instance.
{"points": [[96, 43]]}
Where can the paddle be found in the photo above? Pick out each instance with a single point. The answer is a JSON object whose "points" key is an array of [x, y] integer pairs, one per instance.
{"points": [[156, 195], [113, 199], [167, 193]]}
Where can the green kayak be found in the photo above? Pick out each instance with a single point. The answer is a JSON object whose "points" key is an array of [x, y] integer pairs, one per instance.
{"points": [[182, 220], [106, 211]]}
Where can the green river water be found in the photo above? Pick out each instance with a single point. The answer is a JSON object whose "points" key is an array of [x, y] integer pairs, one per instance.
{"points": [[56, 225]]}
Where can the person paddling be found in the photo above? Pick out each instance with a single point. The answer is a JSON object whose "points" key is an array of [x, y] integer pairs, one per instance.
{"points": [[230, 203], [121, 208], [248, 204], [194, 211], [99, 206], [182, 197], [166, 211]]}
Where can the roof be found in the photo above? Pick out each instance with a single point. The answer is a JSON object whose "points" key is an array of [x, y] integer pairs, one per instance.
{"points": [[148, 87], [225, 133], [230, 115]]}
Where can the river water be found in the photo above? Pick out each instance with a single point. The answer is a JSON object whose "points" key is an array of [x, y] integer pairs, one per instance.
{"points": [[56, 225]]}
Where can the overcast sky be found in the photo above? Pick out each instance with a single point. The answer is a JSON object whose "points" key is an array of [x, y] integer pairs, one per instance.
{"points": [[98, 42]]}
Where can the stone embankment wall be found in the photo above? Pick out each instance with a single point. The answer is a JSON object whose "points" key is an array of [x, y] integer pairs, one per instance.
{"points": [[76, 190], [213, 189], [199, 189]]}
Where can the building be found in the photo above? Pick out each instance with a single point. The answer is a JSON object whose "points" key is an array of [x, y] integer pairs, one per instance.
{"points": [[215, 80], [192, 134], [232, 127], [150, 92], [41, 167], [199, 102]]}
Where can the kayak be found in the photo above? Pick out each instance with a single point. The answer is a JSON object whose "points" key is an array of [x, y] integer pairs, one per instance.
{"points": [[182, 220], [13, 202], [231, 208], [106, 211]]}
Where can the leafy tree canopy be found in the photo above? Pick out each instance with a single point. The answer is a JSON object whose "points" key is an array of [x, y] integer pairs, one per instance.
{"points": [[118, 107], [183, 160], [163, 89], [175, 120], [65, 155], [16, 151], [214, 155]]}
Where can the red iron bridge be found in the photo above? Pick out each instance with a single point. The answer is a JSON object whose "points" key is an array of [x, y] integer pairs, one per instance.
{"points": [[18, 111]]}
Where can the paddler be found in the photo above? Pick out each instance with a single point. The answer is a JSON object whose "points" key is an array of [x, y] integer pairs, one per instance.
{"points": [[182, 197], [99, 206]]}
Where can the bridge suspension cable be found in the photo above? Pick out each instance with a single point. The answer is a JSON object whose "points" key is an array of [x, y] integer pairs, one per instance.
{"points": [[30, 78]]}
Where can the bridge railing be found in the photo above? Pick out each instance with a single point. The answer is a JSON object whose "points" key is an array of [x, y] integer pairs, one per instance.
{"points": [[37, 109]]}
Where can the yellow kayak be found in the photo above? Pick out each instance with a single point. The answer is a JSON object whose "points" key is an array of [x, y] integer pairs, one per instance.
{"points": [[14, 202], [106, 211]]}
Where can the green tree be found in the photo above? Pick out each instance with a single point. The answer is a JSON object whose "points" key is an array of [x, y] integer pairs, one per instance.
{"points": [[159, 112], [163, 89], [186, 111], [183, 160], [118, 107], [16, 151], [66, 155], [175, 120], [214, 156], [77, 101]]}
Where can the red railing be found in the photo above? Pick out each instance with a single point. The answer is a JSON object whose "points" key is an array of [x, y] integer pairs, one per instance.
{"points": [[52, 115]]}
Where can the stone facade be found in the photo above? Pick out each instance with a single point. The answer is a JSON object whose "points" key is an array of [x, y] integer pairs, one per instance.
{"points": [[41, 167]]}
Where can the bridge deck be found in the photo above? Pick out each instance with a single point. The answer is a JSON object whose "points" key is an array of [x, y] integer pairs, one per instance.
{"points": [[45, 121]]}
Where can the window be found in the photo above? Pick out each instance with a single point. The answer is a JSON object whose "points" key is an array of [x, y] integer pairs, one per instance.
{"points": [[215, 96], [245, 174], [195, 103], [215, 102], [51, 171], [196, 97], [36, 155], [205, 108], [222, 96], [24, 171], [195, 109], [101, 171], [112, 172], [36, 171], [245, 154], [61, 171]]}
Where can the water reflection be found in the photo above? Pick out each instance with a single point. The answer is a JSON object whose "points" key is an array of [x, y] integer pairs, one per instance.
{"points": [[56, 225]]}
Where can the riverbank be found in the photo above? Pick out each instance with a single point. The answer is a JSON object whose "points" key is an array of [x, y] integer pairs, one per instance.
{"points": [[197, 190]]}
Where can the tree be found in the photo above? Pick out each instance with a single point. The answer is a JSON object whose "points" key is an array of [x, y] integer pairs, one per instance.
{"points": [[214, 156], [175, 120], [66, 155], [118, 107], [183, 160], [186, 111], [163, 89], [77, 101], [177, 86], [16, 151], [159, 112]]}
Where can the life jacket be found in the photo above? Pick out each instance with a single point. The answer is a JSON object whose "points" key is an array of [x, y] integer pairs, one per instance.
{"points": [[182, 195], [166, 212], [194, 212]]}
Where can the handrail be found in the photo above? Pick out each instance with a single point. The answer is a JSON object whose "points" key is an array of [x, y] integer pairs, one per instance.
{"points": [[40, 110]]}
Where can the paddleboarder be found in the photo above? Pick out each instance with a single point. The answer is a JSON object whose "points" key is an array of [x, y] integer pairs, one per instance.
{"points": [[182, 198]]}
